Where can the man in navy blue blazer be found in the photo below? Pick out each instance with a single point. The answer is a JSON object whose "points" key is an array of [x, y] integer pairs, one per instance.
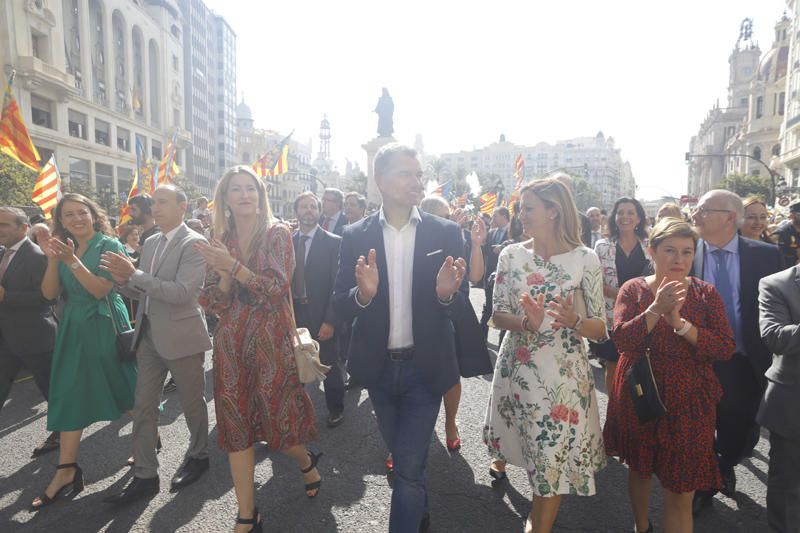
{"points": [[734, 265], [399, 277]]}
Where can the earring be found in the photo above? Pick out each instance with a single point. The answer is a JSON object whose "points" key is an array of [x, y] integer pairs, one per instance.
{"points": [[228, 212], [258, 210]]}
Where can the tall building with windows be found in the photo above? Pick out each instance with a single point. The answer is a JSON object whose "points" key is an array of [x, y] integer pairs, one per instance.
{"points": [[708, 155], [595, 158], [210, 91], [252, 143], [790, 130], [92, 78]]}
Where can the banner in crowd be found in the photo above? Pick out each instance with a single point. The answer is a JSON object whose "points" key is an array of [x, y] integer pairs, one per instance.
{"points": [[14, 139], [47, 189]]}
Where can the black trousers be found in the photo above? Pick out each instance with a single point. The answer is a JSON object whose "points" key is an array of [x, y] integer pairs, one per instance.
{"points": [[783, 484], [328, 355], [488, 292], [11, 363], [736, 412]]}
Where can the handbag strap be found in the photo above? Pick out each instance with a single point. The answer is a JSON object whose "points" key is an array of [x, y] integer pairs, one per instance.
{"points": [[111, 312], [291, 314]]}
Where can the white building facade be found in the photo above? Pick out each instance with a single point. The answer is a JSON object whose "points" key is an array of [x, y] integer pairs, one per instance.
{"points": [[595, 158], [93, 76]]}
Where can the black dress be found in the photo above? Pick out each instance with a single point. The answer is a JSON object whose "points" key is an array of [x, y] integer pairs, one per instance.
{"points": [[628, 267]]}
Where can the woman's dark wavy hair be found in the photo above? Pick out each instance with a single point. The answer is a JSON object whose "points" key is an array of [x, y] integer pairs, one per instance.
{"points": [[99, 216], [639, 230]]}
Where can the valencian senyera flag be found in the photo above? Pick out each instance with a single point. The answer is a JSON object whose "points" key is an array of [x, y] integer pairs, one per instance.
{"points": [[14, 139], [47, 189]]}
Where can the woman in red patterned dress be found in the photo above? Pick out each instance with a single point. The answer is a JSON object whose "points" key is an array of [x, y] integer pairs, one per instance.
{"points": [[257, 393], [688, 331]]}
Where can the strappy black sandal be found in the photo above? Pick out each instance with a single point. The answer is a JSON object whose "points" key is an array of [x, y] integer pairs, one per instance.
{"points": [[76, 484], [254, 521], [316, 484]]}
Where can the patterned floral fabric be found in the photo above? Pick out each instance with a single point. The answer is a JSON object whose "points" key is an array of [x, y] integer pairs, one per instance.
{"points": [[257, 394], [606, 250], [679, 446], [542, 412]]}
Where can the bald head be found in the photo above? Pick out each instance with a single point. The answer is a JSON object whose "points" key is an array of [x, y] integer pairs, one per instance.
{"points": [[169, 206], [729, 200]]}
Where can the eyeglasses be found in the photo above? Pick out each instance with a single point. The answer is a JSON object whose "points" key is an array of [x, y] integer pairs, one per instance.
{"points": [[704, 211]]}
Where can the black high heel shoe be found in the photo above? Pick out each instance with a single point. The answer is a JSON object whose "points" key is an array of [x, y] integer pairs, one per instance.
{"points": [[76, 484], [255, 521], [316, 484]]}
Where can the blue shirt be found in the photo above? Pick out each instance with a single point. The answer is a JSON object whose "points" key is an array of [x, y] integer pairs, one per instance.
{"points": [[734, 273]]}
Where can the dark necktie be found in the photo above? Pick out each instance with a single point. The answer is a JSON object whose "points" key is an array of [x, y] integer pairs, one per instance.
{"points": [[722, 282], [300, 268]]}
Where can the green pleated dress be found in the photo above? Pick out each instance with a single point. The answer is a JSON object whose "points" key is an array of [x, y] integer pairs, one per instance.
{"points": [[87, 382]]}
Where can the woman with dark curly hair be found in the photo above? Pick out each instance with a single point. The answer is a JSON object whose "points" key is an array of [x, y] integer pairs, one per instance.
{"points": [[87, 382]]}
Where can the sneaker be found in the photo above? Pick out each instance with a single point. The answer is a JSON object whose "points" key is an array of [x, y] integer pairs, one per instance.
{"points": [[335, 419]]}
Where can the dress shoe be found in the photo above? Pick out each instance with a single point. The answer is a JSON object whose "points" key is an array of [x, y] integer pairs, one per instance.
{"points": [[190, 472], [170, 386], [425, 523], [729, 484], [51, 443], [351, 384], [703, 500], [335, 419], [137, 489]]}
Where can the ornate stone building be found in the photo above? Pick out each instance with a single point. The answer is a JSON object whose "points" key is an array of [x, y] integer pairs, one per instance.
{"points": [[595, 158], [93, 76], [252, 143]]}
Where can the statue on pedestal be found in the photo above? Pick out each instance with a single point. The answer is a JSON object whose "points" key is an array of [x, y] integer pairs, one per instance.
{"points": [[385, 110]]}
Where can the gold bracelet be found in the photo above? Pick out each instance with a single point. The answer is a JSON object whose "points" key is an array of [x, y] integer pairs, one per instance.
{"points": [[524, 324]]}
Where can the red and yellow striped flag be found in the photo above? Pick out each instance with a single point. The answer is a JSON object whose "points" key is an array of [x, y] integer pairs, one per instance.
{"points": [[47, 189], [125, 209], [282, 164], [487, 202], [14, 139], [166, 169], [263, 166]]}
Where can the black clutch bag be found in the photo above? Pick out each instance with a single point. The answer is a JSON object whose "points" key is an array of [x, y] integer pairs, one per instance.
{"points": [[126, 351], [643, 388]]}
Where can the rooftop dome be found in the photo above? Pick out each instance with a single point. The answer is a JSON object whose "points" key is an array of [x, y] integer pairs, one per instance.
{"points": [[774, 64], [243, 112]]}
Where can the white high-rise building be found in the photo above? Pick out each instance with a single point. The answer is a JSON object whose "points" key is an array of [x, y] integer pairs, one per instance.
{"points": [[92, 77], [595, 158]]}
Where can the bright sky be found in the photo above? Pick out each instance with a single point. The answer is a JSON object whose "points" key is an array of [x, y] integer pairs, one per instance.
{"points": [[463, 72]]}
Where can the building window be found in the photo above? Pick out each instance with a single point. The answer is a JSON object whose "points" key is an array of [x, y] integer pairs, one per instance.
{"points": [[102, 132], [757, 154], [156, 150], [776, 150], [79, 170], [40, 46], [77, 124], [42, 112], [782, 103], [759, 107], [123, 139], [175, 64]]}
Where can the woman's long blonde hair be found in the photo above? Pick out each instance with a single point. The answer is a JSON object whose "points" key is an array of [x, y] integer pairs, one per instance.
{"points": [[554, 194], [224, 225]]}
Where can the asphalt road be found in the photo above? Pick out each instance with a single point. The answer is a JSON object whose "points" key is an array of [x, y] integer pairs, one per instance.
{"points": [[355, 495]]}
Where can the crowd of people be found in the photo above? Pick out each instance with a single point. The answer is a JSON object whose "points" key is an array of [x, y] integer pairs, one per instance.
{"points": [[708, 302]]}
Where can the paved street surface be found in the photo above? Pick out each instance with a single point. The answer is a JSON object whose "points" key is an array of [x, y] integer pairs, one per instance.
{"points": [[355, 495]]}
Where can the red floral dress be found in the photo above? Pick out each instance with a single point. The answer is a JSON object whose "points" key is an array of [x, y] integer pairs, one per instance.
{"points": [[679, 446], [257, 394]]}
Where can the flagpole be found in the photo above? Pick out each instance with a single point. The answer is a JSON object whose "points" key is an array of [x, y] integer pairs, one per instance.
{"points": [[11, 77]]}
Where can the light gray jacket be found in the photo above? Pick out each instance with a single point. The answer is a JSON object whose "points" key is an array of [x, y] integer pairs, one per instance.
{"points": [[779, 320], [177, 323]]}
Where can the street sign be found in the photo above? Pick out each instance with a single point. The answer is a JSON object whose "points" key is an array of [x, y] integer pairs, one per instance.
{"points": [[783, 201]]}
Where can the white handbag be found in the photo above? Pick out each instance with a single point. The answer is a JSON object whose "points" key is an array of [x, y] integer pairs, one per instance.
{"points": [[306, 352]]}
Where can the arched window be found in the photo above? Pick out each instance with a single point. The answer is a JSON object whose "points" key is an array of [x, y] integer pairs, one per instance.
{"points": [[120, 61], [757, 153], [137, 92], [776, 150]]}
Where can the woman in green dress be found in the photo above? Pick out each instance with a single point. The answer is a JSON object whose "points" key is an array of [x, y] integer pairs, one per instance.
{"points": [[87, 381]]}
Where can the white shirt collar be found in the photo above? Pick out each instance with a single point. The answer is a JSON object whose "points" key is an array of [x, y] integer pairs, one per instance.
{"points": [[732, 246], [18, 244], [171, 233], [415, 217], [311, 233]]}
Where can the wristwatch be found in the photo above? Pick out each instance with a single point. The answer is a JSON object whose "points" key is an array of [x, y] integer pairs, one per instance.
{"points": [[684, 329], [578, 322]]}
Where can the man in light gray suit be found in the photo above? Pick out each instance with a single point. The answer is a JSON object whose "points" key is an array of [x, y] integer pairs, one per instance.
{"points": [[171, 335], [779, 306]]}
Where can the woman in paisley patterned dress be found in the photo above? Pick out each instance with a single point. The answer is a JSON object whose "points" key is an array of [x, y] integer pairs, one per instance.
{"points": [[257, 394], [542, 412]]}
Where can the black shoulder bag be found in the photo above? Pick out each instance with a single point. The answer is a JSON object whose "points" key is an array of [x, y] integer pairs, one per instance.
{"points": [[126, 352], [642, 385]]}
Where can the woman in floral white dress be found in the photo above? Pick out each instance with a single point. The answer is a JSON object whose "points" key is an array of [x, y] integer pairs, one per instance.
{"points": [[542, 412]]}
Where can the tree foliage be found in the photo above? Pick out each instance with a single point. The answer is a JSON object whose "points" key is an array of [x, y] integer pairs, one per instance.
{"points": [[748, 186], [16, 182]]}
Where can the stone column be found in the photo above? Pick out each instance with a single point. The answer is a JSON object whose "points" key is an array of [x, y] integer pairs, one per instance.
{"points": [[372, 147]]}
